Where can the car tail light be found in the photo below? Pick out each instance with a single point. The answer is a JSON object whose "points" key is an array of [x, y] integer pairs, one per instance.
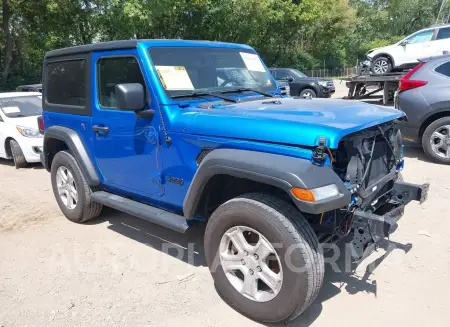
{"points": [[40, 124], [407, 84]]}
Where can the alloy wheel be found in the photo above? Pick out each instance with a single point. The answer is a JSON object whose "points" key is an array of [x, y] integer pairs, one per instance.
{"points": [[381, 66], [251, 263], [440, 141], [67, 189]]}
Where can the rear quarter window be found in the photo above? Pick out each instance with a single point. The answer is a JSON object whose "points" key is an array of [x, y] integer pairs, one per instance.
{"points": [[444, 69], [66, 83]]}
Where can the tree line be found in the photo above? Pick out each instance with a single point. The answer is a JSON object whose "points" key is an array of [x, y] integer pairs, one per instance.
{"points": [[297, 33]]}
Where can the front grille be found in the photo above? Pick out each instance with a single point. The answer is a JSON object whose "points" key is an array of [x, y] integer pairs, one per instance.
{"points": [[330, 83]]}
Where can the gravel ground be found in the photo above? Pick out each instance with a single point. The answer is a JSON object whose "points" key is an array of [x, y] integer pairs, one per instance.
{"points": [[121, 271]]}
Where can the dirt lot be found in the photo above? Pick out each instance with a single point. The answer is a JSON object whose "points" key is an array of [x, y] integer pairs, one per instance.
{"points": [[116, 270]]}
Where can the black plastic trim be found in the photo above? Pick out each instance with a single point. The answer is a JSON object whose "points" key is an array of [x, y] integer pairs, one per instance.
{"points": [[102, 46], [77, 149], [280, 171], [144, 211]]}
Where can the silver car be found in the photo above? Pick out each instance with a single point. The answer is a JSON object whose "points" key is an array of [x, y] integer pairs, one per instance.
{"points": [[424, 95]]}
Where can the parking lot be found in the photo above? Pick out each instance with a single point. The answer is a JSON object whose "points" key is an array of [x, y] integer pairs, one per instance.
{"points": [[119, 270]]}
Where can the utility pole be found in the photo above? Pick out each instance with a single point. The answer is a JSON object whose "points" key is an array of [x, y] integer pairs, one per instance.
{"points": [[440, 9]]}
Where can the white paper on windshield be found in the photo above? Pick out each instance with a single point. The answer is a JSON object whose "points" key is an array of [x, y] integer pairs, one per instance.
{"points": [[252, 62], [10, 110], [174, 78]]}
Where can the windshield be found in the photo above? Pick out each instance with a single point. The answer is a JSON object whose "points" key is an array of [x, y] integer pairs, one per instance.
{"points": [[24, 106], [298, 73], [186, 70]]}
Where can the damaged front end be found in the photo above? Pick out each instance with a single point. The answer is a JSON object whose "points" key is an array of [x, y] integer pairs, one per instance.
{"points": [[369, 162]]}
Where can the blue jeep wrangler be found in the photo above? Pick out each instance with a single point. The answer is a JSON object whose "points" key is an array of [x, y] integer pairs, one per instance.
{"points": [[183, 132]]}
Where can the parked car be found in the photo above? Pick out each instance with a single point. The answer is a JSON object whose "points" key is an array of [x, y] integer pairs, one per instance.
{"points": [[424, 95], [20, 139], [405, 53], [30, 88], [302, 85], [143, 126]]}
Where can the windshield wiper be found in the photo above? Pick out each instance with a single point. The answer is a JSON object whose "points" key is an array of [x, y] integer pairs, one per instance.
{"points": [[245, 89], [203, 95]]}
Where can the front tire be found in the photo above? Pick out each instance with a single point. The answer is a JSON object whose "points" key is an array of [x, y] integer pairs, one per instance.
{"points": [[71, 189], [17, 154], [264, 257], [308, 93], [381, 65], [436, 141]]}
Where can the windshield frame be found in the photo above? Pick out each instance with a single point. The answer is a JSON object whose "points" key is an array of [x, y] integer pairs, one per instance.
{"points": [[273, 88], [14, 99]]}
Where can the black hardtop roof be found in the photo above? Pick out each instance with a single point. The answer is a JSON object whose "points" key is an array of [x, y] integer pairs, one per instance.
{"points": [[101, 46]]}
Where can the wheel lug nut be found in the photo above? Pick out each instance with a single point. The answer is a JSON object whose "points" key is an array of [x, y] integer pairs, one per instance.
{"points": [[251, 272], [258, 268], [256, 257], [243, 261], [246, 252]]}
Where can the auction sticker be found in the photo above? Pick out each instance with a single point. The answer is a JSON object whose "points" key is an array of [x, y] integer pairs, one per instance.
{"points": [[174, 78], [252, 62]]}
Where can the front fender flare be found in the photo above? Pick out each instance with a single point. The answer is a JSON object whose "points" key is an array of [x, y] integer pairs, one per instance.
{"points": [[73, 141], [276, 170]]}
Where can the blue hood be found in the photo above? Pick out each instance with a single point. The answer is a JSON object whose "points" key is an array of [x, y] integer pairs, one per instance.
{"points": [[293, 121]]}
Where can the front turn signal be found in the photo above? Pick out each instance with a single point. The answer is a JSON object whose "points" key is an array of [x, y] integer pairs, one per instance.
{"points": [[303, 194]]}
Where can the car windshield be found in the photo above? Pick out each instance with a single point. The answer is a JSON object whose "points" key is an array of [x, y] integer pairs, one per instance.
{"points": [[298, 73], [214, 70], [24, 106]]}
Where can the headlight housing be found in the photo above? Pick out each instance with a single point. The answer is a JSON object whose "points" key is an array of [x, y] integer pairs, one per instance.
{"points": [[323, 83], [316, 194], [28, 132]]}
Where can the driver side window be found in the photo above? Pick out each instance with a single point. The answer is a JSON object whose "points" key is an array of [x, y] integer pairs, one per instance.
{"points": [[283, 75], [421, 37]]}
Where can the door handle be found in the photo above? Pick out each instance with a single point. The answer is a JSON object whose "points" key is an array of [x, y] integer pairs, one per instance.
{"points": [[100, 129]]}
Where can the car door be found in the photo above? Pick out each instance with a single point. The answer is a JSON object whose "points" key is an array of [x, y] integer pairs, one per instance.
{"points": [[418, 45], [442, 42], [126, 146]]}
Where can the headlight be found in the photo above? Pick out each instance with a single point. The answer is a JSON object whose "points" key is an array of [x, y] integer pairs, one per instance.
{"points": [[323, 83], [28, 132], [316, 194]]}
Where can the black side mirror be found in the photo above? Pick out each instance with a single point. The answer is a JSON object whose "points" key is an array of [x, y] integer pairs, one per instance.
{"points": [[290, 79], [130, 96]]}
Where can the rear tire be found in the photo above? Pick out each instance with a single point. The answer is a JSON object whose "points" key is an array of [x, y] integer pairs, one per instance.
{"points": [[306, 93], [438, 132], [71, 189], [17, 154], [295, 248]]}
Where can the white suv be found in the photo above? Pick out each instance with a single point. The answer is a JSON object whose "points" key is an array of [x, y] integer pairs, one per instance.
{"points": [[404, 54]]}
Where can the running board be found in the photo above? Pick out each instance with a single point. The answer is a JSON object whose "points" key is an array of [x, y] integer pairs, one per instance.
{"points": [[154, 215]]}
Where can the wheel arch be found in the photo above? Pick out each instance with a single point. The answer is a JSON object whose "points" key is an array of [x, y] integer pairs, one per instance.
{"points": [[384, 54], [58, 138], [226, 173], [308, 86], [431, 118], [7, 145]]}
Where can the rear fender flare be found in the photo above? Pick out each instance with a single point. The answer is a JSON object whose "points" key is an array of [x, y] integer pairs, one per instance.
{"points": [[276, 170], [76, 147]]}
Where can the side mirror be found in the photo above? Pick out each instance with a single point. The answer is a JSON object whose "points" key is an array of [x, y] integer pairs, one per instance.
{"points": [[403, 43], [290, 79], [130, 96]]}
